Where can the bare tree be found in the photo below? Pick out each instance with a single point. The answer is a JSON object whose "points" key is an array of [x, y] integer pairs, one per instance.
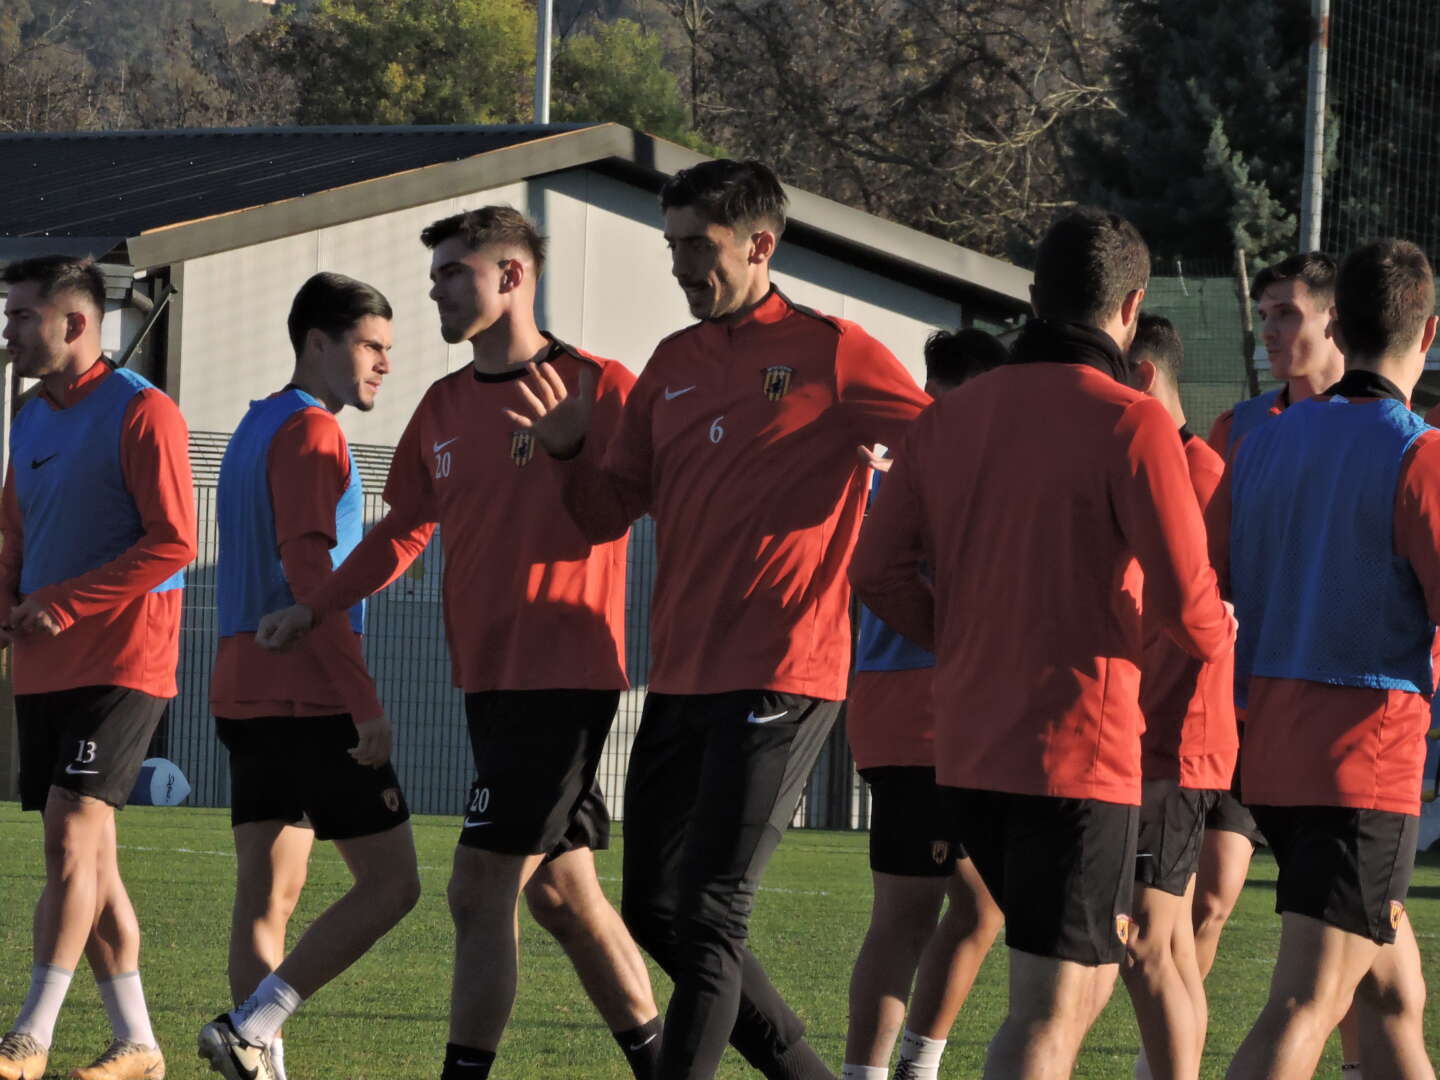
{"points": [[948, 115]]}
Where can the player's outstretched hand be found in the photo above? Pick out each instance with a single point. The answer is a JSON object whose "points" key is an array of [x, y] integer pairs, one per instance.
{"points": [[283, 629], [868, 456], [558, 418], [28, 617], [375, 739]]}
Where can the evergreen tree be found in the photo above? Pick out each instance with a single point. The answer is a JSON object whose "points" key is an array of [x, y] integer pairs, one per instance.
{"points": [[1204, 148]]}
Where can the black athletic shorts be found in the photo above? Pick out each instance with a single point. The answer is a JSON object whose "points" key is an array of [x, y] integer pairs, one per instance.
{"points": [[1172, 827], [1229, 814], [909, 834], [536, 753], [90, 740], [1347, 868], [298, 770], [1062, 870]]}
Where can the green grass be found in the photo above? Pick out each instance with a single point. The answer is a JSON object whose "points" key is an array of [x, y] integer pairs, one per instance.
{"points": [[385, 1018]]}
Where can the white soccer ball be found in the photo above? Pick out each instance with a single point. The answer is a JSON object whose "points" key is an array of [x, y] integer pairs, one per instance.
{"points": [[160, 783]]}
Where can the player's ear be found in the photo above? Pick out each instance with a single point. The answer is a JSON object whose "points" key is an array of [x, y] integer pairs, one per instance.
{"points": [[76, 323], [762, 246], [1427, 336], [1338, 336], [1144, 377], [1130, 306], [515, 274]]}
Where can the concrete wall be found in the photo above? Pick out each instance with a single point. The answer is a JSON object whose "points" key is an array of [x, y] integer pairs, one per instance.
{"points": [[607, 287]]}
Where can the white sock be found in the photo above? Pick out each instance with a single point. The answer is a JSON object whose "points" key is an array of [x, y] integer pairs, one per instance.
{"points": [[923, 1054], [1351, 1070], [124, 1002], [48, 986], [865, 1072], [277, 1056], [265, 1011]]}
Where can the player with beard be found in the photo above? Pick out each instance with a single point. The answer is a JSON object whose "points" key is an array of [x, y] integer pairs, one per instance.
{"points": [[98, 517], [739, 439]]}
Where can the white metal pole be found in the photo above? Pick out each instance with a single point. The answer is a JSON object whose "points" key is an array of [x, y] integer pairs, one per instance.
{"points": [[542, 61], [1312, 192]]}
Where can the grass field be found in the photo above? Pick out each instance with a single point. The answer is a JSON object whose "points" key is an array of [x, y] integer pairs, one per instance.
{"points": [[385, 1018]]}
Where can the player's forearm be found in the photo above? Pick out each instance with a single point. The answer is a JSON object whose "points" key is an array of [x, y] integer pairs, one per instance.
{"points": [[155, 558], [599, 502], [386, 552]]}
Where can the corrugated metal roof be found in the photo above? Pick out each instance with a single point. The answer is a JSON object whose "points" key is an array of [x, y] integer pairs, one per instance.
{"points": [[123, 183]]}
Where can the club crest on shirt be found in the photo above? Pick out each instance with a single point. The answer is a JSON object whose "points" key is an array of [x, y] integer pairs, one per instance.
{"points": [[939, 851], [391, 797], [1122, 928], [1397, 911], [776, 382], [522, 447]]}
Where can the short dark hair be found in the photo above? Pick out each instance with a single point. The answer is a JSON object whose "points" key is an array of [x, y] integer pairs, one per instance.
{"points": [[489, 225], [1157, 339], [729, 193], [1087, 263], [1314, 269], [332, 304], [59, 273], [1384, 292], [955, 356]]}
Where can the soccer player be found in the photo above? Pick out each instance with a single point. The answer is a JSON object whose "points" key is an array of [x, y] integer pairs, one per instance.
{"points": [[914, 865], [309, 741], [739, 439], [1295, 299], [535, 617], [98, 517], [1036, 495], [1325, 531], [1188, 753]]}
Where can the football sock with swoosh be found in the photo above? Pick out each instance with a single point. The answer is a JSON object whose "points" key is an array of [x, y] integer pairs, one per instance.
{"points": [[641, 1046], [466, 1062], [265, 1011]]}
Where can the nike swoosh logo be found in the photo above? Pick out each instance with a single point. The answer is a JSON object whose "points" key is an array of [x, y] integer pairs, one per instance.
{"points": [[441, 445], [753, 719], [477, 824], [35, 463], [73, 771], [642, 1045], [671, 395]]}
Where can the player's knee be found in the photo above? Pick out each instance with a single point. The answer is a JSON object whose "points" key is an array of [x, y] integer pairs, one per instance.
{"points": [[561, 916], [1211, 914], [70, 845], [1391, 999], [472, 905], [397, 893]]}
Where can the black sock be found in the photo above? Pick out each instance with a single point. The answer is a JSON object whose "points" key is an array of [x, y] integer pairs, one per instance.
{"points": [[466, 1062], [642, 1048]]}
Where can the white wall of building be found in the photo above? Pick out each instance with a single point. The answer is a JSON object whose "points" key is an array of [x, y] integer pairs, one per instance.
{"points": [[607, 287]]}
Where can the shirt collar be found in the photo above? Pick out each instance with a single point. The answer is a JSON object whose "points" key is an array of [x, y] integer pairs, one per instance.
{"points": [[1359, 383]]}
